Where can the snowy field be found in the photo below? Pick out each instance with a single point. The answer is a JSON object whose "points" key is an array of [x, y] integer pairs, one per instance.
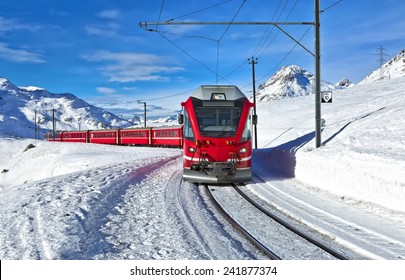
{"points": [[58, 200]]}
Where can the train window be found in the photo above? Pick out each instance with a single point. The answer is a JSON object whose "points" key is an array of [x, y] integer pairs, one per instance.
{"points": [[188, 130], [218, 121], [247, 132]]}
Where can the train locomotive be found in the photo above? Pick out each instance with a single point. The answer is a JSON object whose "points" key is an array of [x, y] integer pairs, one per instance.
{"points": [[217, 123]]}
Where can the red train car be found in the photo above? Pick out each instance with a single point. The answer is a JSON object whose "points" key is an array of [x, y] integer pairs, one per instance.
{"points": [[49, 136], [217, 135], [104, 137], [167, 136], [135, 136], [75, 136], [162, 136]]}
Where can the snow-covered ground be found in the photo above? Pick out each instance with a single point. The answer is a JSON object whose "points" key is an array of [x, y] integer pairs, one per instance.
{"points": [[363, 151], [84, 201]]}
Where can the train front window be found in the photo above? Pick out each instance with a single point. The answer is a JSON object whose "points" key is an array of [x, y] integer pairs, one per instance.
{"points": [[218, 121]]}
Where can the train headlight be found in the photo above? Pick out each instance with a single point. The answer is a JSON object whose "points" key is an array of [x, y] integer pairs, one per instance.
{"points": [[191, 149], [218, 96], [243, 150]]}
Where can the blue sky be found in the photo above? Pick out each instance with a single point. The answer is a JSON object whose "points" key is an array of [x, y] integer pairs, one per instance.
{"points": [[96, 50]]}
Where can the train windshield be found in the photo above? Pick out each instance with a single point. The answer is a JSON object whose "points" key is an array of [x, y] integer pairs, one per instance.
{"points": [[218, 121]]}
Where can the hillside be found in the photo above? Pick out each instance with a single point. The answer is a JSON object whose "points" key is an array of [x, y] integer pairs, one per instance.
{"points": [[20, 105], [394, 68]]}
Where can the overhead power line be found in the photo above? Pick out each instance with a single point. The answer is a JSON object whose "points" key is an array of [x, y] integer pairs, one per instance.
{"points": [[201, 10]]}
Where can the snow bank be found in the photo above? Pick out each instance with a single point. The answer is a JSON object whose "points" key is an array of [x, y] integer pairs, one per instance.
{"points": [[363, 151], [49, 159]]}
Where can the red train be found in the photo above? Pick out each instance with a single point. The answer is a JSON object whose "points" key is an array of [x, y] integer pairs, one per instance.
{"points": [[217, 135], [157, 136]]}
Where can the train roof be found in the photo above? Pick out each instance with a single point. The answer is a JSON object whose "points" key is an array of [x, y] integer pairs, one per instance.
{"points": [[207, 92]]}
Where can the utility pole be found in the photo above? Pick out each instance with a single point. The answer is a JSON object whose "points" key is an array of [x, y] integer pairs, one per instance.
{"points": [[318, 119], [144, 109], [35, 123], [253, 61], [53, 124], [381, 59]]}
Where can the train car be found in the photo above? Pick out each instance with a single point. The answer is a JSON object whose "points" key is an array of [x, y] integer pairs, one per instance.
{"points": [[49, 136], [167, 136], [104, 137], [135, 136], [217, 135], [75, 136]]}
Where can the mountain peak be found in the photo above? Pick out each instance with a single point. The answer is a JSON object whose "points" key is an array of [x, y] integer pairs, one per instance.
{"points": [[289, 81], [32, 88], [6, 84], [345, 83]]}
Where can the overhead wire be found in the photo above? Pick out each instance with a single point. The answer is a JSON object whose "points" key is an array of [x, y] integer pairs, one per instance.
{"points": [[200, 10], [327, 8], [161, 33], [160, 14], [259, 50], [223, 34], [260, 44], [281, 61]]}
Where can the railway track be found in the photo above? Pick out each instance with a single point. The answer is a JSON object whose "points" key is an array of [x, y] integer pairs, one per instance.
{"points": [[267, 221]]}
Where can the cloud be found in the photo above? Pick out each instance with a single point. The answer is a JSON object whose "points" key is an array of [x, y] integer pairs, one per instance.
{"points": [[8, 25], [106, 90], [109, 14], [132, 67], [100, 31], [19, 56]]}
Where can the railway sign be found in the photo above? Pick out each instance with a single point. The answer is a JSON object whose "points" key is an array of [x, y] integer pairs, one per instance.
{"points": [[326, 96]]}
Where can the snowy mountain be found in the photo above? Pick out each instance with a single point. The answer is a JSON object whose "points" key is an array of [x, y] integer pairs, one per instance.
{"points": [[394, 68], [345, 83], [290, 81], [19, 106]]}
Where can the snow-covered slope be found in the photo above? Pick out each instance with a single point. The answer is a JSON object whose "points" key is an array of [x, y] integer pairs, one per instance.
{"points": [[394, 68], [363, 151], [289, 81], [20, 105]]}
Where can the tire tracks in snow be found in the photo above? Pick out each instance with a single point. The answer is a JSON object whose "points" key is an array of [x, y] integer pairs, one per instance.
{"points": [[114, 182], [63, 217]]}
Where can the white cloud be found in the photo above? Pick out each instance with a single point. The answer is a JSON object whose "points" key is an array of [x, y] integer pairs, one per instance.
{"points": [[109, 14], [99, 31], [8, 25], [132, 67], [106, 90], [20, 56]]}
